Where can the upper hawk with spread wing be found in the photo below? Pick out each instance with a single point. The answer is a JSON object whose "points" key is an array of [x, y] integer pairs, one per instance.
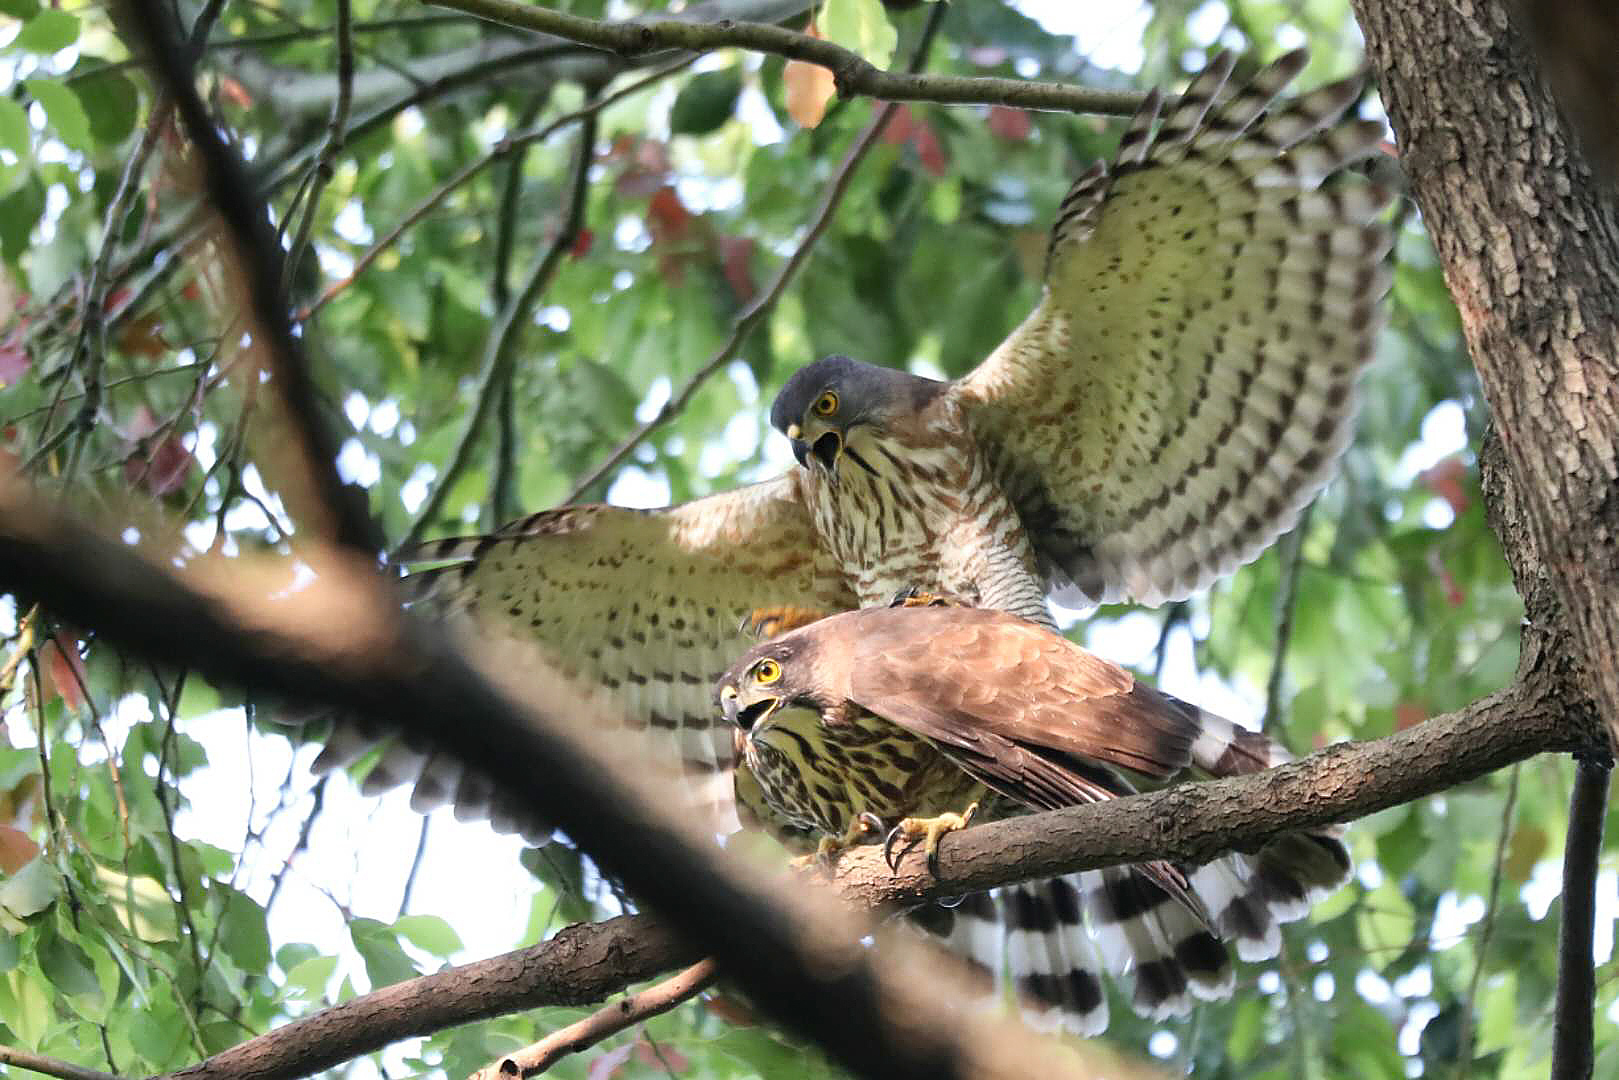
{"points": [[899, 712], [1183, 388]]}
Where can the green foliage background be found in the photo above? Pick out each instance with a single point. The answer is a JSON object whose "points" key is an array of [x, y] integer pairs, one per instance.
{"points": [[129, 947]]}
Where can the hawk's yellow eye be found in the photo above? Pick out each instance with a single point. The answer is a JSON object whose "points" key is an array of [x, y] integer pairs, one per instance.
{"points": [[768, 671], [826, 404]]}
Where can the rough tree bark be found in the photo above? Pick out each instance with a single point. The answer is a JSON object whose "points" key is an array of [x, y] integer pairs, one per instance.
{"points": [[1530, 248]]}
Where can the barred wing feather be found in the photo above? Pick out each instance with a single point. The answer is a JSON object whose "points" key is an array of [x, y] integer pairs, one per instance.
{"points": [[645, 605], [1185, 386]]}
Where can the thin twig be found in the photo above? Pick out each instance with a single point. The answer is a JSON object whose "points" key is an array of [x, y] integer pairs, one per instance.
{"points": [[500, 350], [23, 1059], [415, 866], [90, 345], [1288, 552], [318, 792], [1572, 1031], [502, 502], [1464, 1041], [504, 148], [259, 263], [855, 76], [755, 312], [325, 166], [604, 1023]]}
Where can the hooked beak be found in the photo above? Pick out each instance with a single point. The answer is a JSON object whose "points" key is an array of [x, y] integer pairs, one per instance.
{"points": [[827, 449], [744, 717]]}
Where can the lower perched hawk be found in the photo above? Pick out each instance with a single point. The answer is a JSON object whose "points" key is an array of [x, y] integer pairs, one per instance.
{"points": [[915, 717]]}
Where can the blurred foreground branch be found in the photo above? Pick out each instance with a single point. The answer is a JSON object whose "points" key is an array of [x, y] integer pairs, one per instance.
{"points": [[342, 641]]}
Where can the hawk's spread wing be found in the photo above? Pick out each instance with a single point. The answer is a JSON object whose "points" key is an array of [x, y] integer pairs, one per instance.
{"points": [[646, 604], [1185, 385]]}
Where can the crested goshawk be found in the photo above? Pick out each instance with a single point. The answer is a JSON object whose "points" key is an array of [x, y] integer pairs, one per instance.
{"points": [[905, 716]]}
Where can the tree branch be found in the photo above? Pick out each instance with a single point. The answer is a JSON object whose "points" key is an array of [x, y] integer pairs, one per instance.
{"points": [[1572, 1032], [580, 965], [604, 1023], [325, 166], [855, 76], [64, 1070], [1529, 243]]}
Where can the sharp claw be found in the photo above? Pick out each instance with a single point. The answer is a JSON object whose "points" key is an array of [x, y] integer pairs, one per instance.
{"points": [[890, 856], [872, 823]]}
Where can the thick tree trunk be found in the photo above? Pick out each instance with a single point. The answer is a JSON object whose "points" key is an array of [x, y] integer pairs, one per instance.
{"points": [[1530, 248]]}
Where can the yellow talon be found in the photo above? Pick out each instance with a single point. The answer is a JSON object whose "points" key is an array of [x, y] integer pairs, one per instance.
{"points": [[767, 623], [930, 830], [914, 597], [829, 848]]}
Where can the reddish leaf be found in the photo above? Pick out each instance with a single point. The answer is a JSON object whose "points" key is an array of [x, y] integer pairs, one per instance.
{"points": [[117, 299], [13, 362], [899, 127], [664, 1057], [192, 291], [736, 259], [1408, 714], [667, 216], [929, 151], [987, 55], [808, 87], [160, 469], [1454, 594], [16, 849], [235, 92], [731, 1010], [143, 337], [582, 241], [1008, 123], [62, 671], [1448, 480], [606, 1066]]}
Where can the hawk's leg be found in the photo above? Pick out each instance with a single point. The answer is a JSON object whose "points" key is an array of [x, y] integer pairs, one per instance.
{"points": [[912, 596], [770, 622], [830, 847], [928, 830]]}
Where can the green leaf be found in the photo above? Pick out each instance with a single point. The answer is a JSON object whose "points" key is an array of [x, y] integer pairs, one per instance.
{"points": [[31, 889], [26, 1003], [110, 101], [142, 904], [63, 112], [19, 9], [48, 32], [385, 962], [66, 966], [19, 213], [705, 102], [242, 930], [429, 933], [15, 134], [308, 979], [860, 26]]}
